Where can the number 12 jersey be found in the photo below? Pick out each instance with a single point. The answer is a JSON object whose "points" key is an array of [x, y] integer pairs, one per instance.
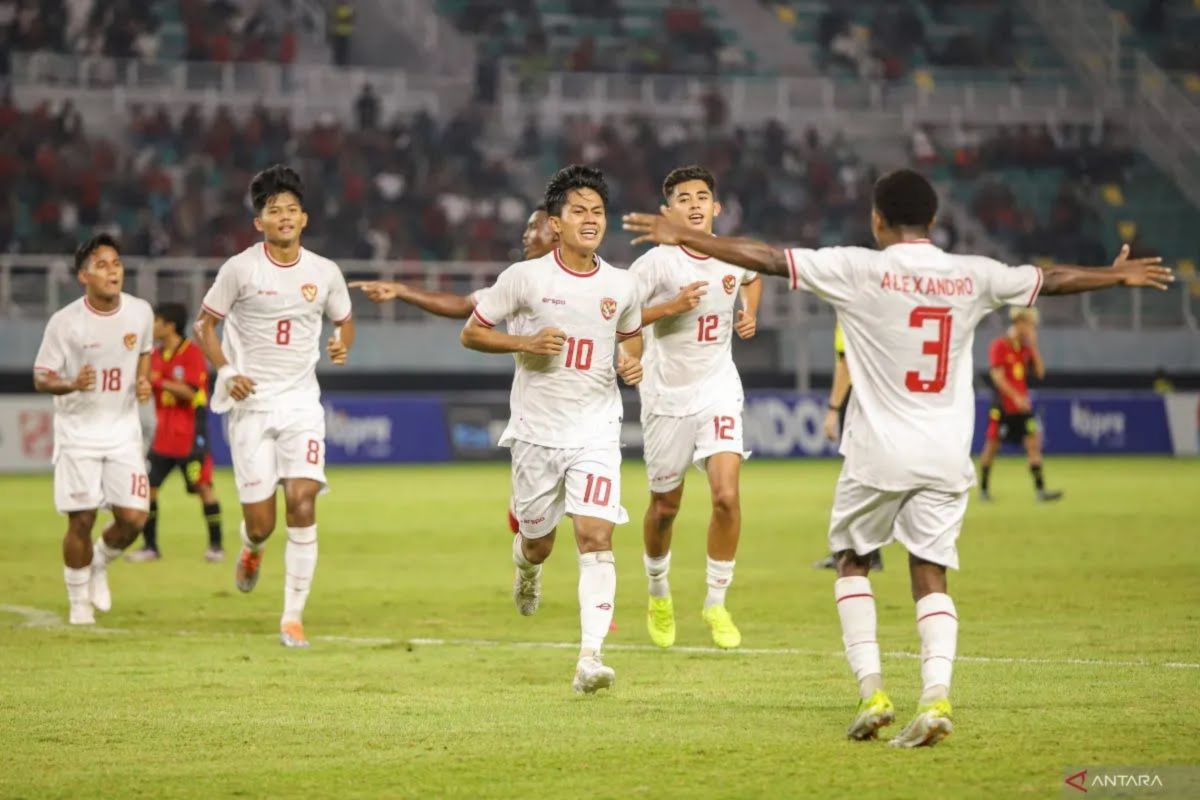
{"points": [[909, 313]]}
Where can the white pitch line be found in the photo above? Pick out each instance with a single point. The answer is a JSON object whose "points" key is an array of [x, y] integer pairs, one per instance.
{"points": [[42, 619]]}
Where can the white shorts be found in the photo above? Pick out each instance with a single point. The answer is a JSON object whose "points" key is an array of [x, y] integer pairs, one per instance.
{"points": [[87, 480], [926, 521], [670, 444], [269, 446], [548, 482]]}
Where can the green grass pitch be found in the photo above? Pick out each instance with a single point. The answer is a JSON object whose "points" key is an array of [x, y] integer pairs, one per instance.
{"points": [[1079, 644]]}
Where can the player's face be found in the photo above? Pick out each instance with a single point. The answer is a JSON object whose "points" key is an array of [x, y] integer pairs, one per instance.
{"points": [[539, 237], [104, 274], [1025, 328], [692, 204], [282, 219], [160, 329], [582, 223]]}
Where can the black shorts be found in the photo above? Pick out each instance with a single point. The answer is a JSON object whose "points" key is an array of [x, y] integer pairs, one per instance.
{"points": [[195, 468], [1008, 428]]}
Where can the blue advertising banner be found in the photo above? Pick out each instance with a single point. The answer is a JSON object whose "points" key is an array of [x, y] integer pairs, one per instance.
{"points": [[371, 429], [788, 425]]}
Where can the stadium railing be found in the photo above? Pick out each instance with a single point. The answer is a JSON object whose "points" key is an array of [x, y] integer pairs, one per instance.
{"points": [[35, 286]]}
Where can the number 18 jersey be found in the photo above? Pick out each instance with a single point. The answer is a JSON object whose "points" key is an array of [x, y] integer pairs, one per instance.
{"points": [[909, 314]]}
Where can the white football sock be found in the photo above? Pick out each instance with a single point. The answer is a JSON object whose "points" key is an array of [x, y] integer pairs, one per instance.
{"points": [[300, 562], [719, 575], [597, 592], [78, 584], [103, 554], [856, 608], [522, 563], [247, 542], [937, 625], [656, 571]]}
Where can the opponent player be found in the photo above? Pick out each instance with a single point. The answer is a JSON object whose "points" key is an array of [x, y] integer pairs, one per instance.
{"points": [[95, 359], [1011, 417], [909, 311], [692, 401], [564, 431], [272, 297], [179, 377], [835, 418]]}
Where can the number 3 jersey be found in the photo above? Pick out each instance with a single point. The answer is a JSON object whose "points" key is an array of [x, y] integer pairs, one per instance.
{"points": [[571, 399], [105, 417], [272, 331], [909, 314], [689, 358]]}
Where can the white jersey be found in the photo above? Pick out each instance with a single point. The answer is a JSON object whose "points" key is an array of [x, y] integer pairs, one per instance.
{"points": [[78, 335], [688, 361], [272, 316], [909, 314], [569, 400]]}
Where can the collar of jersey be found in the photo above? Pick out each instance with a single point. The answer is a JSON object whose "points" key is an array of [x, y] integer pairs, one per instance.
{"points": [[913, 241], [694, 255], [267, 253], [569, 271], [97, 311]]}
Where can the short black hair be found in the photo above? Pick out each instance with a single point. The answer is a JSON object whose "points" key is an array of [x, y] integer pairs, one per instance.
{"points": [[904, 198], [174, 313], [692, 172], [576, 176], [84, 252], [272, 181]]}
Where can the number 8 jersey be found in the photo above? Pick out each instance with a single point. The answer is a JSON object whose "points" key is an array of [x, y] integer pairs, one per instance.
{"points": [[569, 400], [909, 314], [272, 331]]}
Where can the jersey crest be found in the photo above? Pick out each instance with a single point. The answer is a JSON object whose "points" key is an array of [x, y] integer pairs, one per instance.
{"points": [[309, 290], [729, 283], [608, 307], [130, 341]]}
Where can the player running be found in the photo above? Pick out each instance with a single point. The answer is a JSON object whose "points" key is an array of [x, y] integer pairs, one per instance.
{"points": [[1011, 417], [179, 377], [692, 400], [95, 359], [564, 431], [272, 298], [909, 311]]}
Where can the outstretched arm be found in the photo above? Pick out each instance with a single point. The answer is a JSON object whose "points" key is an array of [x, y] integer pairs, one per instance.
{"points": [[687, 299], [1124, 271], [443, 304], [748, 253]]}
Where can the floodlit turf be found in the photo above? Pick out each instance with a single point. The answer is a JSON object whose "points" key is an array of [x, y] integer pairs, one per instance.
{"points": [[1079, 623]]}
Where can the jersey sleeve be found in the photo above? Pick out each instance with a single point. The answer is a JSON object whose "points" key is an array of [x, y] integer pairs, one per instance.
{"points": [[148, 332], [749, 276], [1013, 286], [645, 274], [828, 272], [337, 304], [52, 354], [996, 354], [501, 300], [225, 289], [630, 321]]}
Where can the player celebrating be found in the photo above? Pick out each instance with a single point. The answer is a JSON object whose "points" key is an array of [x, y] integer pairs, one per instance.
{"points": [[272, 297], [909, 312], [179, 378], [1011, 417], [692, 401], [95, 359], [564, 431]]}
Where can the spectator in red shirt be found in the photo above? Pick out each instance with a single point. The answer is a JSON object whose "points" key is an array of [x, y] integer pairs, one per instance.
{"points": [[179, 377], [1011, 419]]}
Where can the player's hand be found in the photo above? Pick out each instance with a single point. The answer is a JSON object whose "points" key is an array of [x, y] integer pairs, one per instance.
{"points": [[546, 342], [831, 425], [688, 298], [1142, 271], [630, 369], [144, 389], [653, 229], [338, 352], [240, 387], [85, 381], [746, 325], [379, 291], [1023, 405]]}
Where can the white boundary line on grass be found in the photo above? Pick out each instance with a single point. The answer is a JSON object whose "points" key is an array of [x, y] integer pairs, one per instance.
{"points": [[42, 619]]}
